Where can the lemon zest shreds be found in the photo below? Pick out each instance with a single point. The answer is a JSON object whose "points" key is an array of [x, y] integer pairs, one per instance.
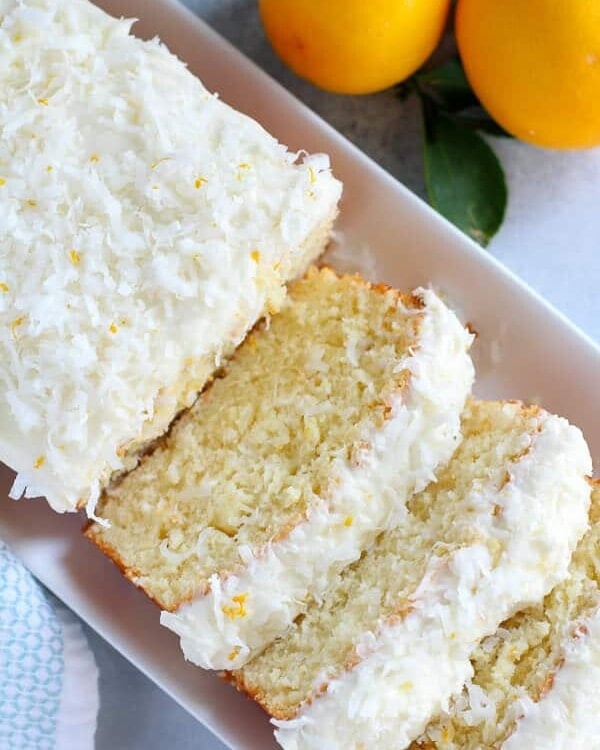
{"points": [[159, 161], [15, 324], [238, 609], [242, 167]]}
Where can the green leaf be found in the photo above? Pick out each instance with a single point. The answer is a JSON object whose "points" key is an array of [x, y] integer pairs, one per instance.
{"points": [[463, 176], [448, 86], [477, 118]]}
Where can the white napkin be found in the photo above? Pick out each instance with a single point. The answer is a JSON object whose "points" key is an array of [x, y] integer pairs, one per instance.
{"points": [[48, 676]]}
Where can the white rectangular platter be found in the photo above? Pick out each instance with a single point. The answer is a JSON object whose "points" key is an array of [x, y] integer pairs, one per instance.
{"points": [[525, 349]]}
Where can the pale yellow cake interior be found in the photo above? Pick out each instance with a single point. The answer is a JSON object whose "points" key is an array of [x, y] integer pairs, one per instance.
{"points": [[321, 644], [259, 447], [522, 657]]}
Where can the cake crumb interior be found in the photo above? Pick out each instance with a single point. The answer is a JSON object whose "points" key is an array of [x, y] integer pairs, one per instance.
{"points": [[382, 583], [260, 446]]}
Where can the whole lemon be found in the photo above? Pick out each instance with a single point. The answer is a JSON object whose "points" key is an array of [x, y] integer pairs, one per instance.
{"points": [[535, 66], [354, 46]]}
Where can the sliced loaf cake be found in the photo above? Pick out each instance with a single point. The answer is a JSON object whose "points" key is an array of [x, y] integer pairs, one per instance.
{"points": [[144, 228], [536, 681], [388, 644], [324, 423]]}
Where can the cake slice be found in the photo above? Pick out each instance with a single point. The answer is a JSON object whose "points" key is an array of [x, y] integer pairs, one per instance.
{"points": [[146, 226], [325, 421], [388, 644], [536, 681]]}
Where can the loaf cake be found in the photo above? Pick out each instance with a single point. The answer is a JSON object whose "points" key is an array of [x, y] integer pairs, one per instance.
{"points": [[388, 643], [145, 227], [286, 468], [536, 681]]}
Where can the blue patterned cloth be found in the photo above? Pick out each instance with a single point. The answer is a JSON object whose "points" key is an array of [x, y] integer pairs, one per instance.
{"points": [[31, 660]]}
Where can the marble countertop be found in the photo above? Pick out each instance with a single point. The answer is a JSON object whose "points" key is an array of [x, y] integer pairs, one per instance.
{"points": [[551, 238]]}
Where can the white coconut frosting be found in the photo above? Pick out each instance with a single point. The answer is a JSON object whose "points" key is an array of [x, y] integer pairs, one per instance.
{"points": [[144, 227], [409, 670], [422, 432], [567, 716]]}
